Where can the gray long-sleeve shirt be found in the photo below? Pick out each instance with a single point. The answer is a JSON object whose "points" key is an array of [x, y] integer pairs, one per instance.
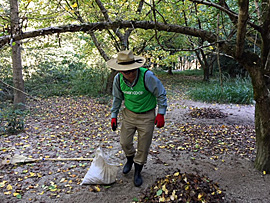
{"points": [[152, 83]]}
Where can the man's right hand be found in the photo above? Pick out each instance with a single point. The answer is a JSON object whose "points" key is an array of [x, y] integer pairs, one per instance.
{"points": [[114, 124]]}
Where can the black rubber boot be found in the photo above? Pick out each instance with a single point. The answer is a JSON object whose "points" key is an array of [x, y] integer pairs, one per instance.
{"points": [[137, 175], [128, 165]]}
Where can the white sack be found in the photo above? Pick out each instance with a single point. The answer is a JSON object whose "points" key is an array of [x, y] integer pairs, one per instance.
{"points": [[102, 169]]}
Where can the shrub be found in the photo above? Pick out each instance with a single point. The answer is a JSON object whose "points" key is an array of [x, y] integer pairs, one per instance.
{"points": [[11, 121], [67, 78], [238, 91]]}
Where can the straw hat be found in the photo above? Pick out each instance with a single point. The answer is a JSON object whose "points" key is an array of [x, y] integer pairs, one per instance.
{"points": [[126, 61]]}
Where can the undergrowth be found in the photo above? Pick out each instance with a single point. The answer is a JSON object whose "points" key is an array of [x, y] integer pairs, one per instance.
{"points": [[190, 84], [236, 91]]}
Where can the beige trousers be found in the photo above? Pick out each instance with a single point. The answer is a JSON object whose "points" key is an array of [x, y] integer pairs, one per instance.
{"points": [[142, 123]]}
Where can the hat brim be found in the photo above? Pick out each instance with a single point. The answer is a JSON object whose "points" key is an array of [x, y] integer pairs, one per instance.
{"points": [[115, 66]]}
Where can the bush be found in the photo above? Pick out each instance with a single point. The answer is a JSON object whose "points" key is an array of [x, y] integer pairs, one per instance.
{"points": [[11, 121], [237, 91], [91, 81], [67, 78]]}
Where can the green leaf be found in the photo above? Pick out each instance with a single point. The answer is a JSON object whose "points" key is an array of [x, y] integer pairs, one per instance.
{"points": [[135, 199], [19, 196], [106, 187], [159, 192]]}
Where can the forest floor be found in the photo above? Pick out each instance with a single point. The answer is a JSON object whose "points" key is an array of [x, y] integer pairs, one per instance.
{"points": [[216, 141]]}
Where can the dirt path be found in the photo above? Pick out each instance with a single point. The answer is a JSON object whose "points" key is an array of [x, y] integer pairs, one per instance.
{"points": [[235, 175]]}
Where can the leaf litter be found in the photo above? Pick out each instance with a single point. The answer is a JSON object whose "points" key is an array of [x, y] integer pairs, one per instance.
{"points": [[75, 126]]}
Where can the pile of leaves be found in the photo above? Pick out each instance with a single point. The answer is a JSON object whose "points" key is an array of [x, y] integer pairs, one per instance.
{"points": [[207, 113], [183, 187]]}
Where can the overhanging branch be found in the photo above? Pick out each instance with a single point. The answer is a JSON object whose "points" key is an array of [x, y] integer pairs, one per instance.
{"points": [[208, 36]]}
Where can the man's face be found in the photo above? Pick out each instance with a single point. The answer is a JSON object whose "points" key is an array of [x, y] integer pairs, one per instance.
{"points": [[130, 75]]}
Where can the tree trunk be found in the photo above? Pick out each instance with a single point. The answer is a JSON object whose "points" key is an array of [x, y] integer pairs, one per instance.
{"points": [[261, 86], [19, 96], [170, 69], [262, 162], [204, 65], [262, 96], [109, 82]]}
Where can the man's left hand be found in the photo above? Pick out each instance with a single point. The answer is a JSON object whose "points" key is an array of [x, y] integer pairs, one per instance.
{"points": [[159, 121]]}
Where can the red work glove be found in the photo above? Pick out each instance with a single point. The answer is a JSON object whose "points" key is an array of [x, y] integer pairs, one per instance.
{"points": [[159, 121], [114, 124]]}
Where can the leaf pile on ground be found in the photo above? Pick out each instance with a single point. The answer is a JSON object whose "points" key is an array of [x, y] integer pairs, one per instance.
{"points": [[206, 113], [183, 187]]}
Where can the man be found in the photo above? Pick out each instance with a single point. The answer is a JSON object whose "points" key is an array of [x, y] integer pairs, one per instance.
{"points": [[142, 91]]}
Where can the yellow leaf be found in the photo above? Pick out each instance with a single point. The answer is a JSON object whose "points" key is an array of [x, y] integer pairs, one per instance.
{"points": [[200, 196], [9, 187], [15, 194], [176, 174], [264, 172], [74, 5], [41, 193], [2, 184], [32, 174], [164, 189], [162, 199], [97, 188], [173, 196]]}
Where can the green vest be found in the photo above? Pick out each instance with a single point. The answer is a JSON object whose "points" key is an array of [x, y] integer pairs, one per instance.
{"points": [[137, 98]]}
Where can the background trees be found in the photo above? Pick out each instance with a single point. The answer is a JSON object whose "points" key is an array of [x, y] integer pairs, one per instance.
{"points": [[240, 31]]}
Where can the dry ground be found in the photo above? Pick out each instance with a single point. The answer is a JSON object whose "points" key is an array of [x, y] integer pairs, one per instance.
{"points": [[232, 169]]}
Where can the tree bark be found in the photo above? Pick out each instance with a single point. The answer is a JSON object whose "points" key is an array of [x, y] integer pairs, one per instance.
{"points": [[19, 96], [261, 86], [241, 26]]}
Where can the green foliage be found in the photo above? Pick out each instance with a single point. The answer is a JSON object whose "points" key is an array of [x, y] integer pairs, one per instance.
{"points": [[90, 81], [190, 85], [195, 72], [11, 121], [237, 91], [66, 78]]}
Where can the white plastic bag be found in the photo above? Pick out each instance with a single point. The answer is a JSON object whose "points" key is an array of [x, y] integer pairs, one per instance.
{"points": [[102, 169]]}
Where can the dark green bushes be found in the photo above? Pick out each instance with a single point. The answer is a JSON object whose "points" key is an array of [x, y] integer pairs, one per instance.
{"points": [[66, 78], [11, 121], [237, 91]]}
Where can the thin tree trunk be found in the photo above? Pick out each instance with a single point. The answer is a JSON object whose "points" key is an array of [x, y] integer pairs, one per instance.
{"points": [[19, 97]]}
